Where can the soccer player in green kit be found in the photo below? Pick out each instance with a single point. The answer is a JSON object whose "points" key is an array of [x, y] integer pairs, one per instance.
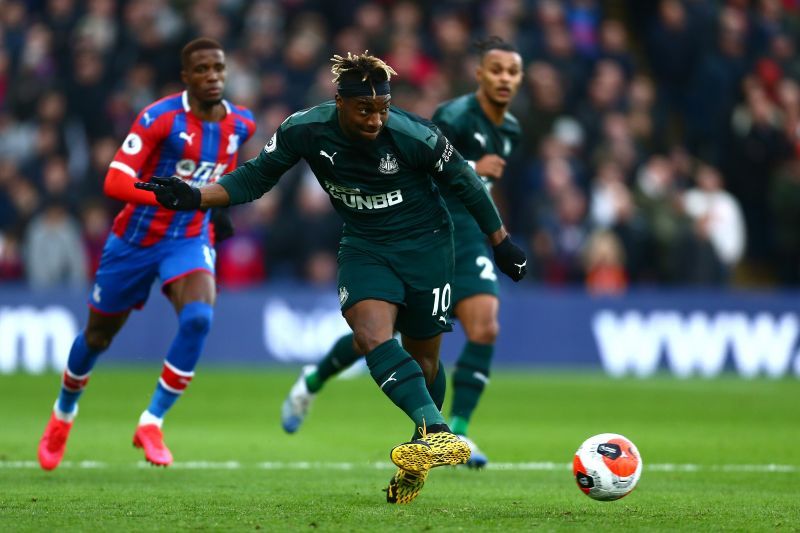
{"points": [[484, 132], [382, 168]]}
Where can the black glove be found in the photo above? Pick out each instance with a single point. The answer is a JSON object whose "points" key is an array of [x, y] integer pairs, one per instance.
{"points": [[173, 193], [223, 225], [510, 259]]}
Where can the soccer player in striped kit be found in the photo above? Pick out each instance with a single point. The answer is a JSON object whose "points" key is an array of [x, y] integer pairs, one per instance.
{"points": [[196, 135]]}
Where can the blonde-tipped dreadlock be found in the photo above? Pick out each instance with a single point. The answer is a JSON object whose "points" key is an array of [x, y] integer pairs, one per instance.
{"points": [[363, 65]]}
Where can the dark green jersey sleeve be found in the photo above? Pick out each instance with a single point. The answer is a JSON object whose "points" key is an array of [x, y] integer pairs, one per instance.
{"points": [[451, 170], [257, 176], [449, 129]]}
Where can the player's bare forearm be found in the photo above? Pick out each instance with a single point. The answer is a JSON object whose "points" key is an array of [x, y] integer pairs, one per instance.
{"points": [[498, 236], [214, 195]]}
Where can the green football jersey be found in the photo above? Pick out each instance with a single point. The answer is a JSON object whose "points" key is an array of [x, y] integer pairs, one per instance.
{"points": [[465, 124], [385, 190]]}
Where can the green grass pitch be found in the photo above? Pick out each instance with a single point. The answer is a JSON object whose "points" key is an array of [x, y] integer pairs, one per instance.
{"points": [[706, 444]]}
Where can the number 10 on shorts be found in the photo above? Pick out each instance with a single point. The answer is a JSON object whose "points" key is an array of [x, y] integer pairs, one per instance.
{"points": [[441, 295]]}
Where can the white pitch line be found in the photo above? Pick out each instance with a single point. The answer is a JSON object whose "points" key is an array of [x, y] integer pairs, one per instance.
{"points": [[322, 465]]}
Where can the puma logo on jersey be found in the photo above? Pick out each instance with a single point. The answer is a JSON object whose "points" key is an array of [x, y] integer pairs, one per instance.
{"points": [[186, 137], [147, 118], [391, 378], [520, 267], [325, 154], [481, 138], [443, 320], [96, 293]]}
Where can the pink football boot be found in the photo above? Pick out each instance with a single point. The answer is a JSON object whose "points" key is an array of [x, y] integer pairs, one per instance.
{"points": [[150, 438], [53, 443]]}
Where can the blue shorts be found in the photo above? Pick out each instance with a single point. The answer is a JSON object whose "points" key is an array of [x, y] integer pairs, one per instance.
{"points": [[127, 271]]}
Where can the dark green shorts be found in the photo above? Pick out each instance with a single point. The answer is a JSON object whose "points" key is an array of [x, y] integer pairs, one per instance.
{"points": [[474, 272], [417, 276]]}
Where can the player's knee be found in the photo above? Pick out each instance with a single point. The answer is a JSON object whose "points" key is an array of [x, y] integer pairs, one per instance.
{"points": [[195, 318], [484, 332], [98, 340], [367, 340], [430, 367]]}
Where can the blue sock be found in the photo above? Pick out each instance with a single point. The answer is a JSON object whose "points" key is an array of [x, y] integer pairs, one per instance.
{"points": [[79, 365], [194, 322]]}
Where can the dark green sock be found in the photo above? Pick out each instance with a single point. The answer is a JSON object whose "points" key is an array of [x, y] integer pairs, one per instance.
{"points": [[469, 379], [400, 378], [436, 390], [340, 357], [438, 387]]}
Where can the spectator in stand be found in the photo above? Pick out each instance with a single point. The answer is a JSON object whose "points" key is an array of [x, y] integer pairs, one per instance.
{"points": [[714, 88], [452, 38], [96, 223], [410, 61], [242, 260], [25, 199], [646, 123], [88, 86], [784, 52], [321, 231], [559, 51], [718, 228], [545, 104], [674, 47], [613, 210], [561, 238], [785, 205], [758, 146], [54, 250], [583, 21], [11, 267], [668, 229], [604, 262], [617, 142], [613, 46], [605, 94]]}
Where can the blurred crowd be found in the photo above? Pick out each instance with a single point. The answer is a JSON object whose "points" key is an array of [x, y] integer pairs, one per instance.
{"points": [[660, 138]]}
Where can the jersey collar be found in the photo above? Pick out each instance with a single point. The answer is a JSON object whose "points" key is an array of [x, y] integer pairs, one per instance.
{"points": [[188, 109]]}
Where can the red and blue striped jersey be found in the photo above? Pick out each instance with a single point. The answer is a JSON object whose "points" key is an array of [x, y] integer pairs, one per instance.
{"points": [[167, 139]]}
